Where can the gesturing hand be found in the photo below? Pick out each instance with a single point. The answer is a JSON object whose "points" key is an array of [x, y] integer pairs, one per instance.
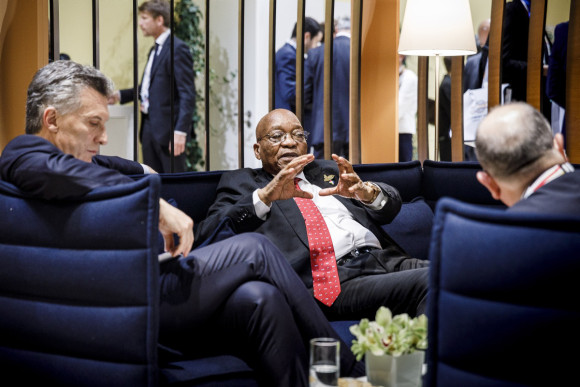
{"points": [[282, 185], [349, 183]]}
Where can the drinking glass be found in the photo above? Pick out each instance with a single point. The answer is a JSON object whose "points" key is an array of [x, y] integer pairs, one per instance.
{"points": [[324, 362]]}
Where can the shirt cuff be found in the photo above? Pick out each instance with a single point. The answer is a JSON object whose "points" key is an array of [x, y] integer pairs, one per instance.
{"points": [[379, 201], [262, 210], [146, 169], [180, 133]]}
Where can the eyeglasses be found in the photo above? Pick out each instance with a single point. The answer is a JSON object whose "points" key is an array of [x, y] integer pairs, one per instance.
{"points": [[278, 137]]}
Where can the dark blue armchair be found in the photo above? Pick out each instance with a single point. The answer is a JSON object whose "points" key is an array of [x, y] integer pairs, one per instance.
{"points": [[503, 307], [79, 293]]}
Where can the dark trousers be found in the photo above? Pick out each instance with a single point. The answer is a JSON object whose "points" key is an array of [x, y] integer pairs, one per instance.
{"points": [[444, 147], [157, 155], [397, 282], [405, 146], [240, 296]]}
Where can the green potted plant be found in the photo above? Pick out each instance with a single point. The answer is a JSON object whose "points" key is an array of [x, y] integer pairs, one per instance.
{"points": [[393, 347]]}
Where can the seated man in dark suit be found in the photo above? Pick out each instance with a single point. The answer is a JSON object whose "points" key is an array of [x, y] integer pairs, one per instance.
{"points": [[523, 165], [372, 269], [239, 297]]}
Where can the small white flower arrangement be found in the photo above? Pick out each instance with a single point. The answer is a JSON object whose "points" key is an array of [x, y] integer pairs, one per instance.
{"points": [[396, 336]]}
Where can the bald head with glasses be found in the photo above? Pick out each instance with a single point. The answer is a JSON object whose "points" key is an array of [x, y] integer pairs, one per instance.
{"points": [[281, 145], [280, 138]]}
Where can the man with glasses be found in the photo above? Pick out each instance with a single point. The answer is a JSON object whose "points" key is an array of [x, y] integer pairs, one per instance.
{"points": [[325, 220]]}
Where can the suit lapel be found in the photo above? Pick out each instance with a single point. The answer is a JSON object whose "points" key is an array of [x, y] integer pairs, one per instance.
{"points": [[160, 56]]}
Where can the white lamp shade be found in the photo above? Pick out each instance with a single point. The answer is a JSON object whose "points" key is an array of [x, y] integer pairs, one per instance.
{"points": [[437, 27]]}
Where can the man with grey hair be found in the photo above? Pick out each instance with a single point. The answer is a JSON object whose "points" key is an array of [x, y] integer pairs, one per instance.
{"points": [[524, 166], [237, 297]]}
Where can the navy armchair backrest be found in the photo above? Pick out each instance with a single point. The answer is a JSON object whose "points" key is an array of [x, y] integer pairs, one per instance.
{"points": [[503, 304], [79, 287], [456, 180]]}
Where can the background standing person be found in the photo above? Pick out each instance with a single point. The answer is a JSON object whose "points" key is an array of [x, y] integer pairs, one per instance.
{"points": [[407, 110], [314, 92], [155, 92], [556, 81], [482, 33], [285, 89], [514, 52], [445, 113]]}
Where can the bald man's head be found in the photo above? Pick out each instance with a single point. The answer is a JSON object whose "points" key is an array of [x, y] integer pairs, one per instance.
{"points": [[512, 139]]}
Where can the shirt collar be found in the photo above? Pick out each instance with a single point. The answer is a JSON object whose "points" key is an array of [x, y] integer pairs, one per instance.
{"points": [[163, 37], [546, 177]]}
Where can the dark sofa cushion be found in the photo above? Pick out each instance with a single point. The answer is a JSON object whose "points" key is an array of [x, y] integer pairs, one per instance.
{"points": [[411, 228], [456, 180], [194, 192], [405, 177]]}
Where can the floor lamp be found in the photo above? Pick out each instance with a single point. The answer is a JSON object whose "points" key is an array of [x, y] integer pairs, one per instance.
{"points": [[437, 28]]}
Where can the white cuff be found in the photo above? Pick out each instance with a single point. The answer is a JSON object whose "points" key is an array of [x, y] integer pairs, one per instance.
{"points": [[262, 210], [379, 201]]}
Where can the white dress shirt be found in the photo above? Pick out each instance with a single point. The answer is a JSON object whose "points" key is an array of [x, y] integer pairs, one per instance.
{"points": [[147, 74], [407, 101]]}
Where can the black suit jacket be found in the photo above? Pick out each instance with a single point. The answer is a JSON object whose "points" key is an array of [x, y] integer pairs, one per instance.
{"points": [[159, 113], [556, 82], [560, 196], [39, 168], [285, 225]]}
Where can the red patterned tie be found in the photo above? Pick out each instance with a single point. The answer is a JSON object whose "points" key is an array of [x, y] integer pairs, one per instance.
{"points": [[322, 259]]}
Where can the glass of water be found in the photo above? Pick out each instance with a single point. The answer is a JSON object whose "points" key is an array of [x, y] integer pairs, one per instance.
{"points": [[324, 362]]}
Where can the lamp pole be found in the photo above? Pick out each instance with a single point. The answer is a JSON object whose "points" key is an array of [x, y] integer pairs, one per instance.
{"points": [[436, 158]]}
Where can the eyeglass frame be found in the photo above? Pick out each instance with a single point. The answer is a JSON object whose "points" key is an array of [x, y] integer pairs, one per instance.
{"points": [[285, 135]]}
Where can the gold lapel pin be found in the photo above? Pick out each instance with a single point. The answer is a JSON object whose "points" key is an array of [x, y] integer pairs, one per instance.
{"points": [[328, 179]]}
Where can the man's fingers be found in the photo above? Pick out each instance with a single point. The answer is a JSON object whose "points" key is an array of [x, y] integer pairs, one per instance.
{"points": [[169, 243], [327, 191], [303, 194], [185, 244]]}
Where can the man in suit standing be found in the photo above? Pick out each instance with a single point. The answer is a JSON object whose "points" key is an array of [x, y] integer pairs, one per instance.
{"points": [[237, 297], [285, 88], [373, 270], [514, 51], [524, 166], [314, 92], [157, 125]]}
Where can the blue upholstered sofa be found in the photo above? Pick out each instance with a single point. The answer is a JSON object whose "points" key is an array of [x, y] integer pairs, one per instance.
{"points": [[78, 289]]}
